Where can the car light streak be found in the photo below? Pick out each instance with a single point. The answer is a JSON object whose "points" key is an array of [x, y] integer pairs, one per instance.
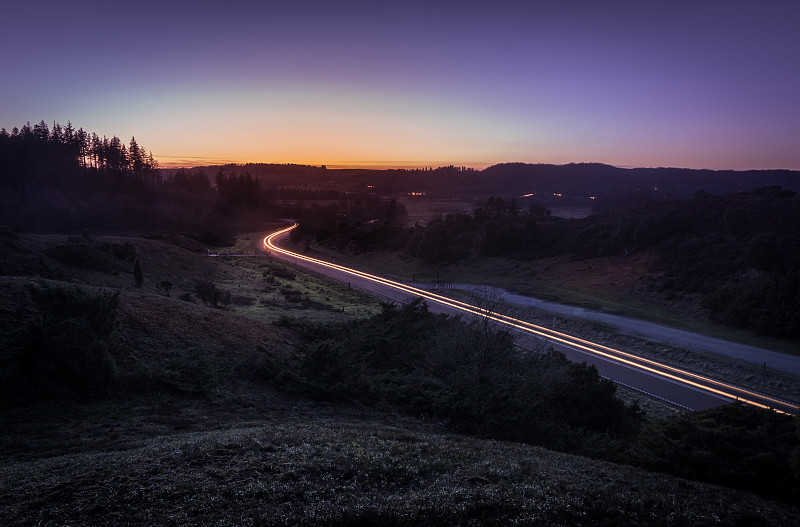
{"points": [[705, 384]]}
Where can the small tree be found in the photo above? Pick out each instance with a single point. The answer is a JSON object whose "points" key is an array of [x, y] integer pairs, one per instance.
{"points": [[165, 286], [137, 273]]}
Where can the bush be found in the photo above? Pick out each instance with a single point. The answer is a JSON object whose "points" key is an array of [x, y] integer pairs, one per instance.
{"points": [[735, 445], [186, 297], [282, 272], [770, 305], [469, 375], [211, 295], [67, 349], [82, 255]]}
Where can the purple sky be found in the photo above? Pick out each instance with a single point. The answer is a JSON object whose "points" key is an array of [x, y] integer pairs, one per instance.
{"points": [[702, 84]]}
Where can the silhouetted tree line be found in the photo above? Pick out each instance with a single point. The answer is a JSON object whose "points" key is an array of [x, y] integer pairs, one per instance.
{"points": [[614, 188], [341, 222], [65, 179], [500, 227], [37, 157], [70, 179], [238, 192]]}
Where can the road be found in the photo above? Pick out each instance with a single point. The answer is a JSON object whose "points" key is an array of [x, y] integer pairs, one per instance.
{"points": [[673, 385], [676, 338]]}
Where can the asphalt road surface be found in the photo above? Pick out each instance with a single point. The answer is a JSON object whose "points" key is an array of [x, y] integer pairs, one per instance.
{"points": [[676, 338], [677, 387]]}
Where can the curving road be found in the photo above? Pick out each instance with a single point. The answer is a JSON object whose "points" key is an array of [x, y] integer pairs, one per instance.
{"points": [[653, 332], [673, 385]]}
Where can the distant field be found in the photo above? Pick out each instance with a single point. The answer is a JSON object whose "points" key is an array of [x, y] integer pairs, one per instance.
{"points": [[422, 210], [570, 211]]}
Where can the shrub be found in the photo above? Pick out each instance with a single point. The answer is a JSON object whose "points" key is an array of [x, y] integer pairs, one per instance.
{"points": [[769, 304], [735, 445], [282, 272], [211, 295], [186, 297], [68, 347], [81, 254], [469, 375]]}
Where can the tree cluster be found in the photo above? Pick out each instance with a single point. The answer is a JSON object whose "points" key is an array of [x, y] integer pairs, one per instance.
{"points": [[237, 192], [498, 228], [211, 295], [36, 157], [64, 179]]}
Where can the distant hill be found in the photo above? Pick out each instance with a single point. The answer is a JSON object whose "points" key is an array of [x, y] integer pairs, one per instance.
{"points": [[516, 179]]}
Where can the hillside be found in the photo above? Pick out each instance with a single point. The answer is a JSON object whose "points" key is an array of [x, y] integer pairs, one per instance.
{"points": [[179, 416], [355, 469], [577, 180]]}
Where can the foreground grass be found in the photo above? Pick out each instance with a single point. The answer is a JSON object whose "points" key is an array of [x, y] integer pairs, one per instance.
{"points": [[330, 472]]}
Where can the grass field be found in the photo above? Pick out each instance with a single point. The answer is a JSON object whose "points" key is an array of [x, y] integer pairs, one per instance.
{"points": [[422, 210]]}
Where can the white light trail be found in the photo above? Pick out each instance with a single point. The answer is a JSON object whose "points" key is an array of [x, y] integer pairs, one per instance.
{"points": [[721, 389]]}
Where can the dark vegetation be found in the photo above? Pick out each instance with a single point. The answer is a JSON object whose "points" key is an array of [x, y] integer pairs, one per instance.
{"points": [[574, 183], [741, 252], [735, 445], [66, 350], [470, 377], [211, 295], [467, 375], [84, 253]]}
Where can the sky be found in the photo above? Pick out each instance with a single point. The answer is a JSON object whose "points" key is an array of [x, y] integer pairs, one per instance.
{"points": [[698, 84]]}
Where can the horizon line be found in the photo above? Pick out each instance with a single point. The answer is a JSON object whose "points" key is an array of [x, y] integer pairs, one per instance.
{"points": [[197, 162]]}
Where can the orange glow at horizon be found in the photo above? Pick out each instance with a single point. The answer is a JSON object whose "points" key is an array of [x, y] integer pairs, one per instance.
{"points": [[184, 162]]}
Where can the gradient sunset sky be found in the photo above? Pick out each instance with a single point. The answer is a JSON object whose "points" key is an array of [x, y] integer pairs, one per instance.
{"points": [[700, 84]]}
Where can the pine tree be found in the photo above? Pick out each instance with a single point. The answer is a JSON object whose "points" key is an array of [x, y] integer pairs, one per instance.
{"points": [[136, 158]]}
